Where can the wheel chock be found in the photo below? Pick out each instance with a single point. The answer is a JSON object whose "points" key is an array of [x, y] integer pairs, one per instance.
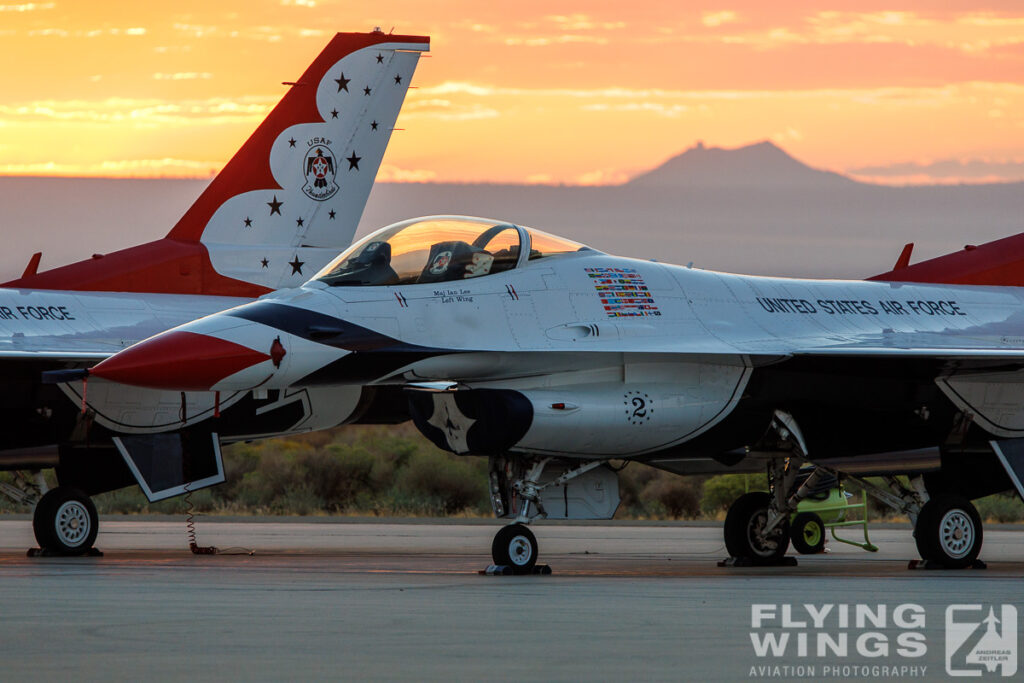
{"points": [[46, 552], [505, 570], [930, 564], [757, 562]]}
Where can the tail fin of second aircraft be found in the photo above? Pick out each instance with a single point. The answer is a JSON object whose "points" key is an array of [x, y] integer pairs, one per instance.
{"points": [[290, 198], [998, 263]]}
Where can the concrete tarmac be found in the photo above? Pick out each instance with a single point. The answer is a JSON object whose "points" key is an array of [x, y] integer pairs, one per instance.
{"points": [[402, 600]]}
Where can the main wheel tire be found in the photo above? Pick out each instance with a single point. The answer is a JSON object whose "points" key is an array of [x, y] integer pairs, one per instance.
{"points": [[949, 531], [807, 532], [65, 521], [515, 546], [746, 516]]}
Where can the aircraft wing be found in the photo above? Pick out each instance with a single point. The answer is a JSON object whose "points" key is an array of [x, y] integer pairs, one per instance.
{"points": [[57, 349], [919, 343]]}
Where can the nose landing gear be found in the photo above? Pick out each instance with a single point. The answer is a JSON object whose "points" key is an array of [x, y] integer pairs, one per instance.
{"points": [[515, 546], [518, 490]]}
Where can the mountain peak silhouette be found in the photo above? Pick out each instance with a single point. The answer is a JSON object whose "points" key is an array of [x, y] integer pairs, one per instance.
{"points": [[762, 164]]}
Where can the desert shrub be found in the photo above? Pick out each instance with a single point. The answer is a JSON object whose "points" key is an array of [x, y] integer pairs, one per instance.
{"points": [[633, 479], [1001, 507], [678, 496], [297, 499], [337, 474], [721, 490], [452, 484], [128, 500]]}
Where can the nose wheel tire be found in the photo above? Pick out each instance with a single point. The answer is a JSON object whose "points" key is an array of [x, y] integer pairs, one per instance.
{"points": [[949, 531], [65, 521], [515, 546], [807, 532], [743, 524]]}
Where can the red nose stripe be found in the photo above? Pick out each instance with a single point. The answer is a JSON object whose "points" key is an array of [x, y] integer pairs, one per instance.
{"points": [[182, 361]]}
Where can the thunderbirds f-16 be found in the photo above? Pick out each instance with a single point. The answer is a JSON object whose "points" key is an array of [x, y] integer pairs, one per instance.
{"points": [[282, 208], [557, 362], [554, 360]]}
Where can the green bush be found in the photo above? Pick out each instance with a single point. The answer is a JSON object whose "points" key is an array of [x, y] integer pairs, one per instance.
{"points": [[452, 485], [720, 491], [678, 496], [1001, 507], [297, 499]]}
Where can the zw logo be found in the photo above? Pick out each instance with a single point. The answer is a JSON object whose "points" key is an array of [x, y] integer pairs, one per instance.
{"points": [[639, 407], [978, 641]]}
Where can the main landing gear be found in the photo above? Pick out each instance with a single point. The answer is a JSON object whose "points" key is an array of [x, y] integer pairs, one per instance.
{"points": [[947, 527], [64, 521], [948, 532], [747, 532]]}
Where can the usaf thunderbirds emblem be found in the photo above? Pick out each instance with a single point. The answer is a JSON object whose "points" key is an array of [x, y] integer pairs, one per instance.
{"points": [[440, 263], [320, 168]]}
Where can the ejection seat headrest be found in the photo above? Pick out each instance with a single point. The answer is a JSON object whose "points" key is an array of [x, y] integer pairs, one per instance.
{"points": [[446, 261]]}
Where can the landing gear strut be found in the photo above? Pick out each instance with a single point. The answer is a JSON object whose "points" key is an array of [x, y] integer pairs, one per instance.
{"points": [[516, 494], [65, 522], [515, 545]]}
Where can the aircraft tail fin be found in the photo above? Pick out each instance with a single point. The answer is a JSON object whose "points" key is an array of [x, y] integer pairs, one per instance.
{"points": [[290, 199], [998, 263]]}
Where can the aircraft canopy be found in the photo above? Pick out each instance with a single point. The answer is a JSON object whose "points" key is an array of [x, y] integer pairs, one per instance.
{"points": [[439, 249]]}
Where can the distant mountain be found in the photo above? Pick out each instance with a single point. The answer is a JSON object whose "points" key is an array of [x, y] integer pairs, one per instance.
{"points": [[762, 165], [754, 209]]}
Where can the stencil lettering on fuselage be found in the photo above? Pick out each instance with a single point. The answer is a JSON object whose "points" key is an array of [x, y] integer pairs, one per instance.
{"points": [[623, 292]]}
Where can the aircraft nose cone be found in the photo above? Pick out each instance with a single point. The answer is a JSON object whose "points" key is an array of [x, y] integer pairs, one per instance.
{"points": [[179, 360]]}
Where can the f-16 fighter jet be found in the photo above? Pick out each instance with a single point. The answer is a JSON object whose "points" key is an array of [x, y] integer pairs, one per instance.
{"points": [[557, 361]]}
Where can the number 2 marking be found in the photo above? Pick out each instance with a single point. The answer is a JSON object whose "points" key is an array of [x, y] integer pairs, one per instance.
{"points": [[639, 407]]}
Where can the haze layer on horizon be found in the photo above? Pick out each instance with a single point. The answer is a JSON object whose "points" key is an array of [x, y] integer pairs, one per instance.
{"points": [[582, 93]]}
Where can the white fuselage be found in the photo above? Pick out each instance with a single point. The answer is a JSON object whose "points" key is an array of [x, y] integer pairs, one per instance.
{"points": [[617, 357]]}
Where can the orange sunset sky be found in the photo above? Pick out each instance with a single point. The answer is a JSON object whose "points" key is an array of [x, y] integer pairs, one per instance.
{"points": [[531, 91]]}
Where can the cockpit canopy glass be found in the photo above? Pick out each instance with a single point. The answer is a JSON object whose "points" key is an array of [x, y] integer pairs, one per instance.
{"points": [[438, 249], [427, 250], [542, 244]]}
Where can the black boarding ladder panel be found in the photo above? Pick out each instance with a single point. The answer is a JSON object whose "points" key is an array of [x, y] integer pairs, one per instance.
{"points": [[167, 465], [1011, 454]]}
